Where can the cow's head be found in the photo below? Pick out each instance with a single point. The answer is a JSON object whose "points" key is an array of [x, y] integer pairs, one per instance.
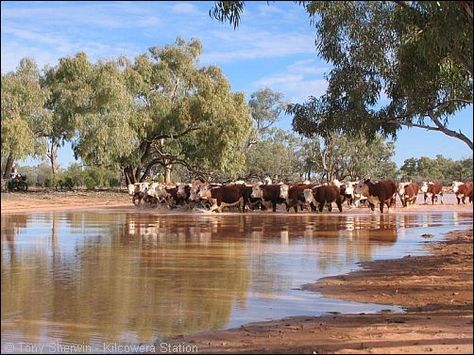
{"points": [[401, 188], [181, 192], [349, 188], [267, 181], [336, 183], [455, 186], [194, 193], [257, 191], [308, 195], [362, 188], [424, 187], [204, 192], [284, 191]]}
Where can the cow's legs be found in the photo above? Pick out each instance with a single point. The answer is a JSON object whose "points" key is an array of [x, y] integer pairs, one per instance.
{"points": [[274, 206], [372, 206], [321, 206], [339, 205], [425, 198], [441, 195]]}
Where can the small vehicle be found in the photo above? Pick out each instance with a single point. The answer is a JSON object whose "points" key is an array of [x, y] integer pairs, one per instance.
{"points": [[18, 183]]}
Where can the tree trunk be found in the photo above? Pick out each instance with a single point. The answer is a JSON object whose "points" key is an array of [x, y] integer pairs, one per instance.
{"points": [[130, 175], [8, 166], [168, 173], [52, 155]]}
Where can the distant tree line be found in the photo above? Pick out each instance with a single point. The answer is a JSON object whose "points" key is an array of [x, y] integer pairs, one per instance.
{"points": [[441, 168]]}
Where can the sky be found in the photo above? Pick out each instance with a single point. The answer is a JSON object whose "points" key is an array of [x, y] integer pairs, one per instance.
{"points": [[273, 47]]}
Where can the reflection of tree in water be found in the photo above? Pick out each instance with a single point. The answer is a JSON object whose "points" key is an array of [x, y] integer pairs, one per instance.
{"points": [[118, 288]]}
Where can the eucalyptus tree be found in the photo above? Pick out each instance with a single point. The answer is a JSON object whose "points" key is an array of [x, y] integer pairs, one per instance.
{"points": [[161, 109], [395, 64], [266, 108], [69, 84], [24, 119], [338, 156]]}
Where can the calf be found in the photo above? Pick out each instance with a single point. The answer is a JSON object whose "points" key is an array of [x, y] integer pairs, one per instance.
{"points": [[224, 196], [462, 190], [432, 189], [269, 194], [382, 192], [408, 192], [319, 196]]}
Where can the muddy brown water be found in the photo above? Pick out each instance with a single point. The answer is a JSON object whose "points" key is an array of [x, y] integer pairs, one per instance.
{"points": [[89, 277]]}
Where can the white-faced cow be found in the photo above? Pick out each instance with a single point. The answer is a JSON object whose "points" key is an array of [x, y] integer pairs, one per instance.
{"points": [[137, 191], [408, 192], [432, 189], [294, 195], [224, 196], [381, 192], [269, 194], [320, 196], [462, 190]]}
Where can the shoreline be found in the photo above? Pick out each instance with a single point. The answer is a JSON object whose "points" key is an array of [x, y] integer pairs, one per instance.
{"points": [[435, 290]]}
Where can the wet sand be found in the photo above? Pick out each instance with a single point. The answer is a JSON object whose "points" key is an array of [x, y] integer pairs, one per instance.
{"points": [[436, 290]]}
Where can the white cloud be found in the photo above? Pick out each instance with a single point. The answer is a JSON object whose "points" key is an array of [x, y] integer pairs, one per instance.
{"points": [[254, 44], [185, 8], [297, 82]]}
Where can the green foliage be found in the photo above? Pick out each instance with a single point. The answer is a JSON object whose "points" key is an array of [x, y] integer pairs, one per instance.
{"points": [[274, 156], [24, 119], [440, 168], [341, 157], [266, 107], [417, 54]]}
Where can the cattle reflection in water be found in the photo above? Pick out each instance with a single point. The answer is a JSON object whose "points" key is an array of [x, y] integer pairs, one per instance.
{"points": [[86, 277]]}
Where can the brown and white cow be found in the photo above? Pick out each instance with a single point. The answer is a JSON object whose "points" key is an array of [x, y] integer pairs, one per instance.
{"points": [[408, 192], [269, 194], [381, 192], [224, 196], [432, 189], [322, 195], [462, 190], [294, 195], [137, 191]]}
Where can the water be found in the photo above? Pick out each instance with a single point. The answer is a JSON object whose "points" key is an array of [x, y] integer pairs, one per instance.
{"points": [[85, 277]]}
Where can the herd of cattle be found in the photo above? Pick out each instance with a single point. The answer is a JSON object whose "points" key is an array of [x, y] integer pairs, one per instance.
{"points": [[304, 195]]}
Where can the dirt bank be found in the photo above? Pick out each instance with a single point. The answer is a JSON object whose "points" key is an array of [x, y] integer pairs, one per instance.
{"points": [[436, 289], [49, 201]]}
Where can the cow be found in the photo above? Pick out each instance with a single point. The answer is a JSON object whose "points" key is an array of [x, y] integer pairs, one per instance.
{"points": [[382, 192], [137, 191], [319, 196], [269, 194], [408, 192], [224, 196], [294, 195], [462, 190], [432, 189]]}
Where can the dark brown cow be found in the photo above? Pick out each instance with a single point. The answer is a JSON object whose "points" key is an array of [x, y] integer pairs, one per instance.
{"points": [[225, 196], [268, 194], [462, 190], [408, 192], [382, 192], [322, 195], [432, 189], [295, 196]]}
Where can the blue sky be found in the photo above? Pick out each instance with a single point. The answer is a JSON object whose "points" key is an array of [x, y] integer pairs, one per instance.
{"points": [[273, 47]]}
